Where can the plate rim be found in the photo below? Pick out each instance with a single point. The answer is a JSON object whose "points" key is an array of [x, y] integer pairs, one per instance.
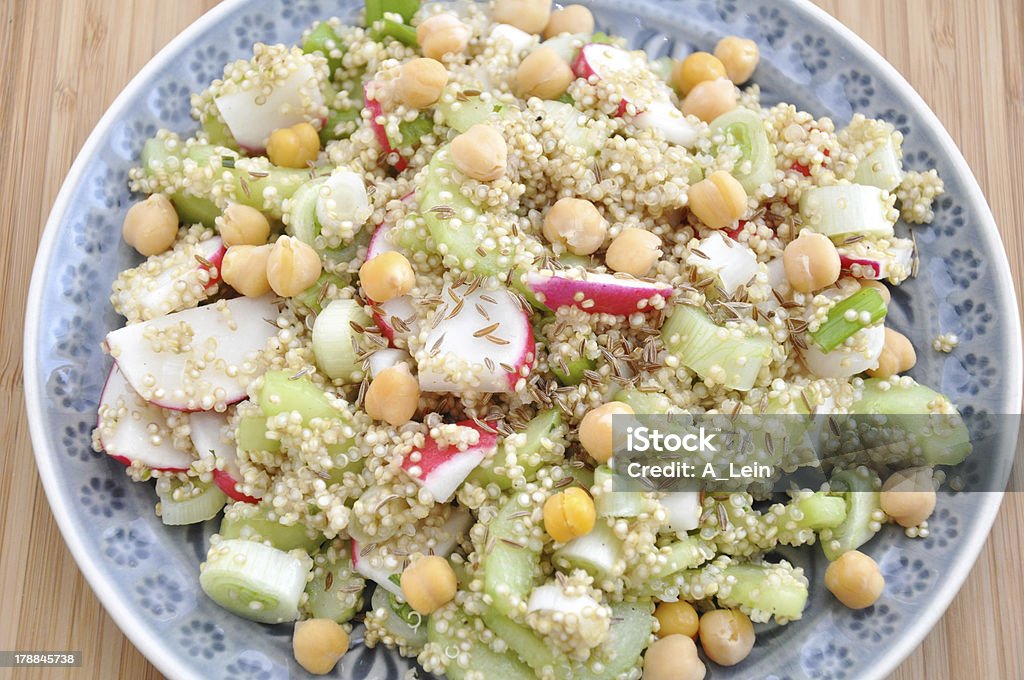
{"points": [[136, 629]]}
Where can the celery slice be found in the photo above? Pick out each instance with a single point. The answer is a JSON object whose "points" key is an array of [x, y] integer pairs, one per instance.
{"points": [[218, 133], [323, 40], [822, 511], [686, 553], [254, 581], [523, 641], [192, 510], [745, 129], [573, 126], [509, 566], [483, 661], [862, 503], [644, 403], [255, 523], [867, 308], [599, 553], [881, 168], [712, 351], [767, 589], [848, 209], [632, 625], [462, 115], [543, 425], [252, 435], [577, 367], [282, 393], [335, 591]]}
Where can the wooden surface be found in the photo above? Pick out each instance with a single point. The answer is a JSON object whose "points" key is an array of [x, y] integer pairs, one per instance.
{"points": [[62, 64]]}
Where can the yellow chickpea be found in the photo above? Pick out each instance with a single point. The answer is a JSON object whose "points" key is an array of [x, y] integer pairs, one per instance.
{"points": [[242, 225], [595, 430], [719, 200], [855, 580], [393, 396], [739, 56], [898, 356], [726, 635], [633, 251], [811, 262], [387, 276], [150, 226], [429, 583], [673, 657], [244, 268], [569, 19], [318, 645], [576, 224], [569, 514], [710, 99], [480, 153], [908, 496], [442, 34], [882, 289], [544, 74], [293, 266], [526, 15], [696, 68], [421, 83], [294, 147], [677, 618]]}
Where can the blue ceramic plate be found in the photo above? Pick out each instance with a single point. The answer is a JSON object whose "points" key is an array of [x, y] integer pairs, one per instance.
{"points": [[146, 573]]}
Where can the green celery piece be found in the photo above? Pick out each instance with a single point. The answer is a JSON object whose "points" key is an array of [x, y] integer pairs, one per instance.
{"points": [[837, 328], [862, 499], [317, 42], [632, 625], [248, 190], [310, 297], [349, 118], [531, 649], [508, 569], [686, 553], [406, 8], [252, 435], [389, 28], [462, 115], [577, 367], [482, 659], [413, 130], [542, 425], [339, 600], [280, 393], [822, 511], [767, 588], [374, 12], [253, 523], [603, 38], [218, 132], [195, 210], [644, 403]]}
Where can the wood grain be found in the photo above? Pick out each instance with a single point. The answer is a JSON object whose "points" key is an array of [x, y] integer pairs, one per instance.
{"points": [[61, 65]]}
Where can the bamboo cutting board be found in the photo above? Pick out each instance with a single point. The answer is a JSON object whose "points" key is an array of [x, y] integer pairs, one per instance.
{"points": [[61, 65]]}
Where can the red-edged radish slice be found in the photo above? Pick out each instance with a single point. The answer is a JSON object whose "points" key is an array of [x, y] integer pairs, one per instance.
{"points": [[846, 361], [376, 110], [170, 282], [401, 307], [207, 433], [132, 430], [194, 360], [733, 263], [386, 358], [663, 116], [607, 62], [864, 260], [457, 357], [252, 114], [684, 510], [442, 469], [595, 293]]}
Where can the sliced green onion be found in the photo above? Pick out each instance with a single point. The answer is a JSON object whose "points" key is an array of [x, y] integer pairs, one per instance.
{"points": [[399, 31], [256, 523], [334, 332], [745, 129], [611, 503], [198, 507], [319, 42], [862, 309], [254, 581], [881, 168], [848, 209]]}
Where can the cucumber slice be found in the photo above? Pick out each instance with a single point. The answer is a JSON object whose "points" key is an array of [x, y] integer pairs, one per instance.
{"points": [[333, 340], [252, 435], [599, 553], [191, 209], [745, 129], [644, 403], [686, 553], [713, 352], [848, 209], [257, 523], [882, 167], [863, 507], [543, 426], [203, 504], [283, 393], [254, 581], [218, 133], [523, 641], [510, 564], [764, 590], [336, 590], [483, 661], [611, 503], [632, 625]]}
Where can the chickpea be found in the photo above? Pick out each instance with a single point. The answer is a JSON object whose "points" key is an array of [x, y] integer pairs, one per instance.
{"points": [[244, 268], [393, 396], [480, 153], [811, 262], [318, 645], [855, 580], [696, 68], [569, 514], [898, 356], [908, 496], [241, 225], [727, 636], [882, 289], [718, 200], [387, 276], [710, 99], [569, 19], [421, 83], [442, 34], [150, 226], [673, 658], [429, 583], [544, 74], [293, 266], [595, 430], [294, 147], [739, 56], [576, 224], [677, 618], [526, 15], [633, 251]]}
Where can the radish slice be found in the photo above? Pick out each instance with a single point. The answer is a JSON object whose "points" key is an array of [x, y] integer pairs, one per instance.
{"points": [[457, 358], [170, 282], [194, 360], [132, 430], [400, 307], [386, 358], [373, 105], [865, 260], [684, 509], [252, 114], [846, 361], [343, 199], [663, 116], [518, 39], [734, 263], [441, 470], [607, 62], [595, 293], [207, 433]]}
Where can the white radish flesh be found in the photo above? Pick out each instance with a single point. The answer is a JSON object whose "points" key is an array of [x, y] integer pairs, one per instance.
{"points": [[209, 438], [845, 361], [595, 293], [443, 469], [734, 263], [684, 509], [343, 199]]}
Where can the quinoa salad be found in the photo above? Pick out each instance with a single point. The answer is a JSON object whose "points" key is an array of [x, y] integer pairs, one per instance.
{"points": [[405, 273]]}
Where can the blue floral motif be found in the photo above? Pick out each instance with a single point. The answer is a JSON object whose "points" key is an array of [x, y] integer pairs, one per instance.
{"points": [[76, 440], [826, 658], [943, 529], [75, 389], [102, 496], [252, 665], [254, 28], [203, 639], [814, 53], [871, 625], [171, 102], [906, 578], [859, 88], [773, 25], [160, 594], [127, 546], [206, 64]]}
